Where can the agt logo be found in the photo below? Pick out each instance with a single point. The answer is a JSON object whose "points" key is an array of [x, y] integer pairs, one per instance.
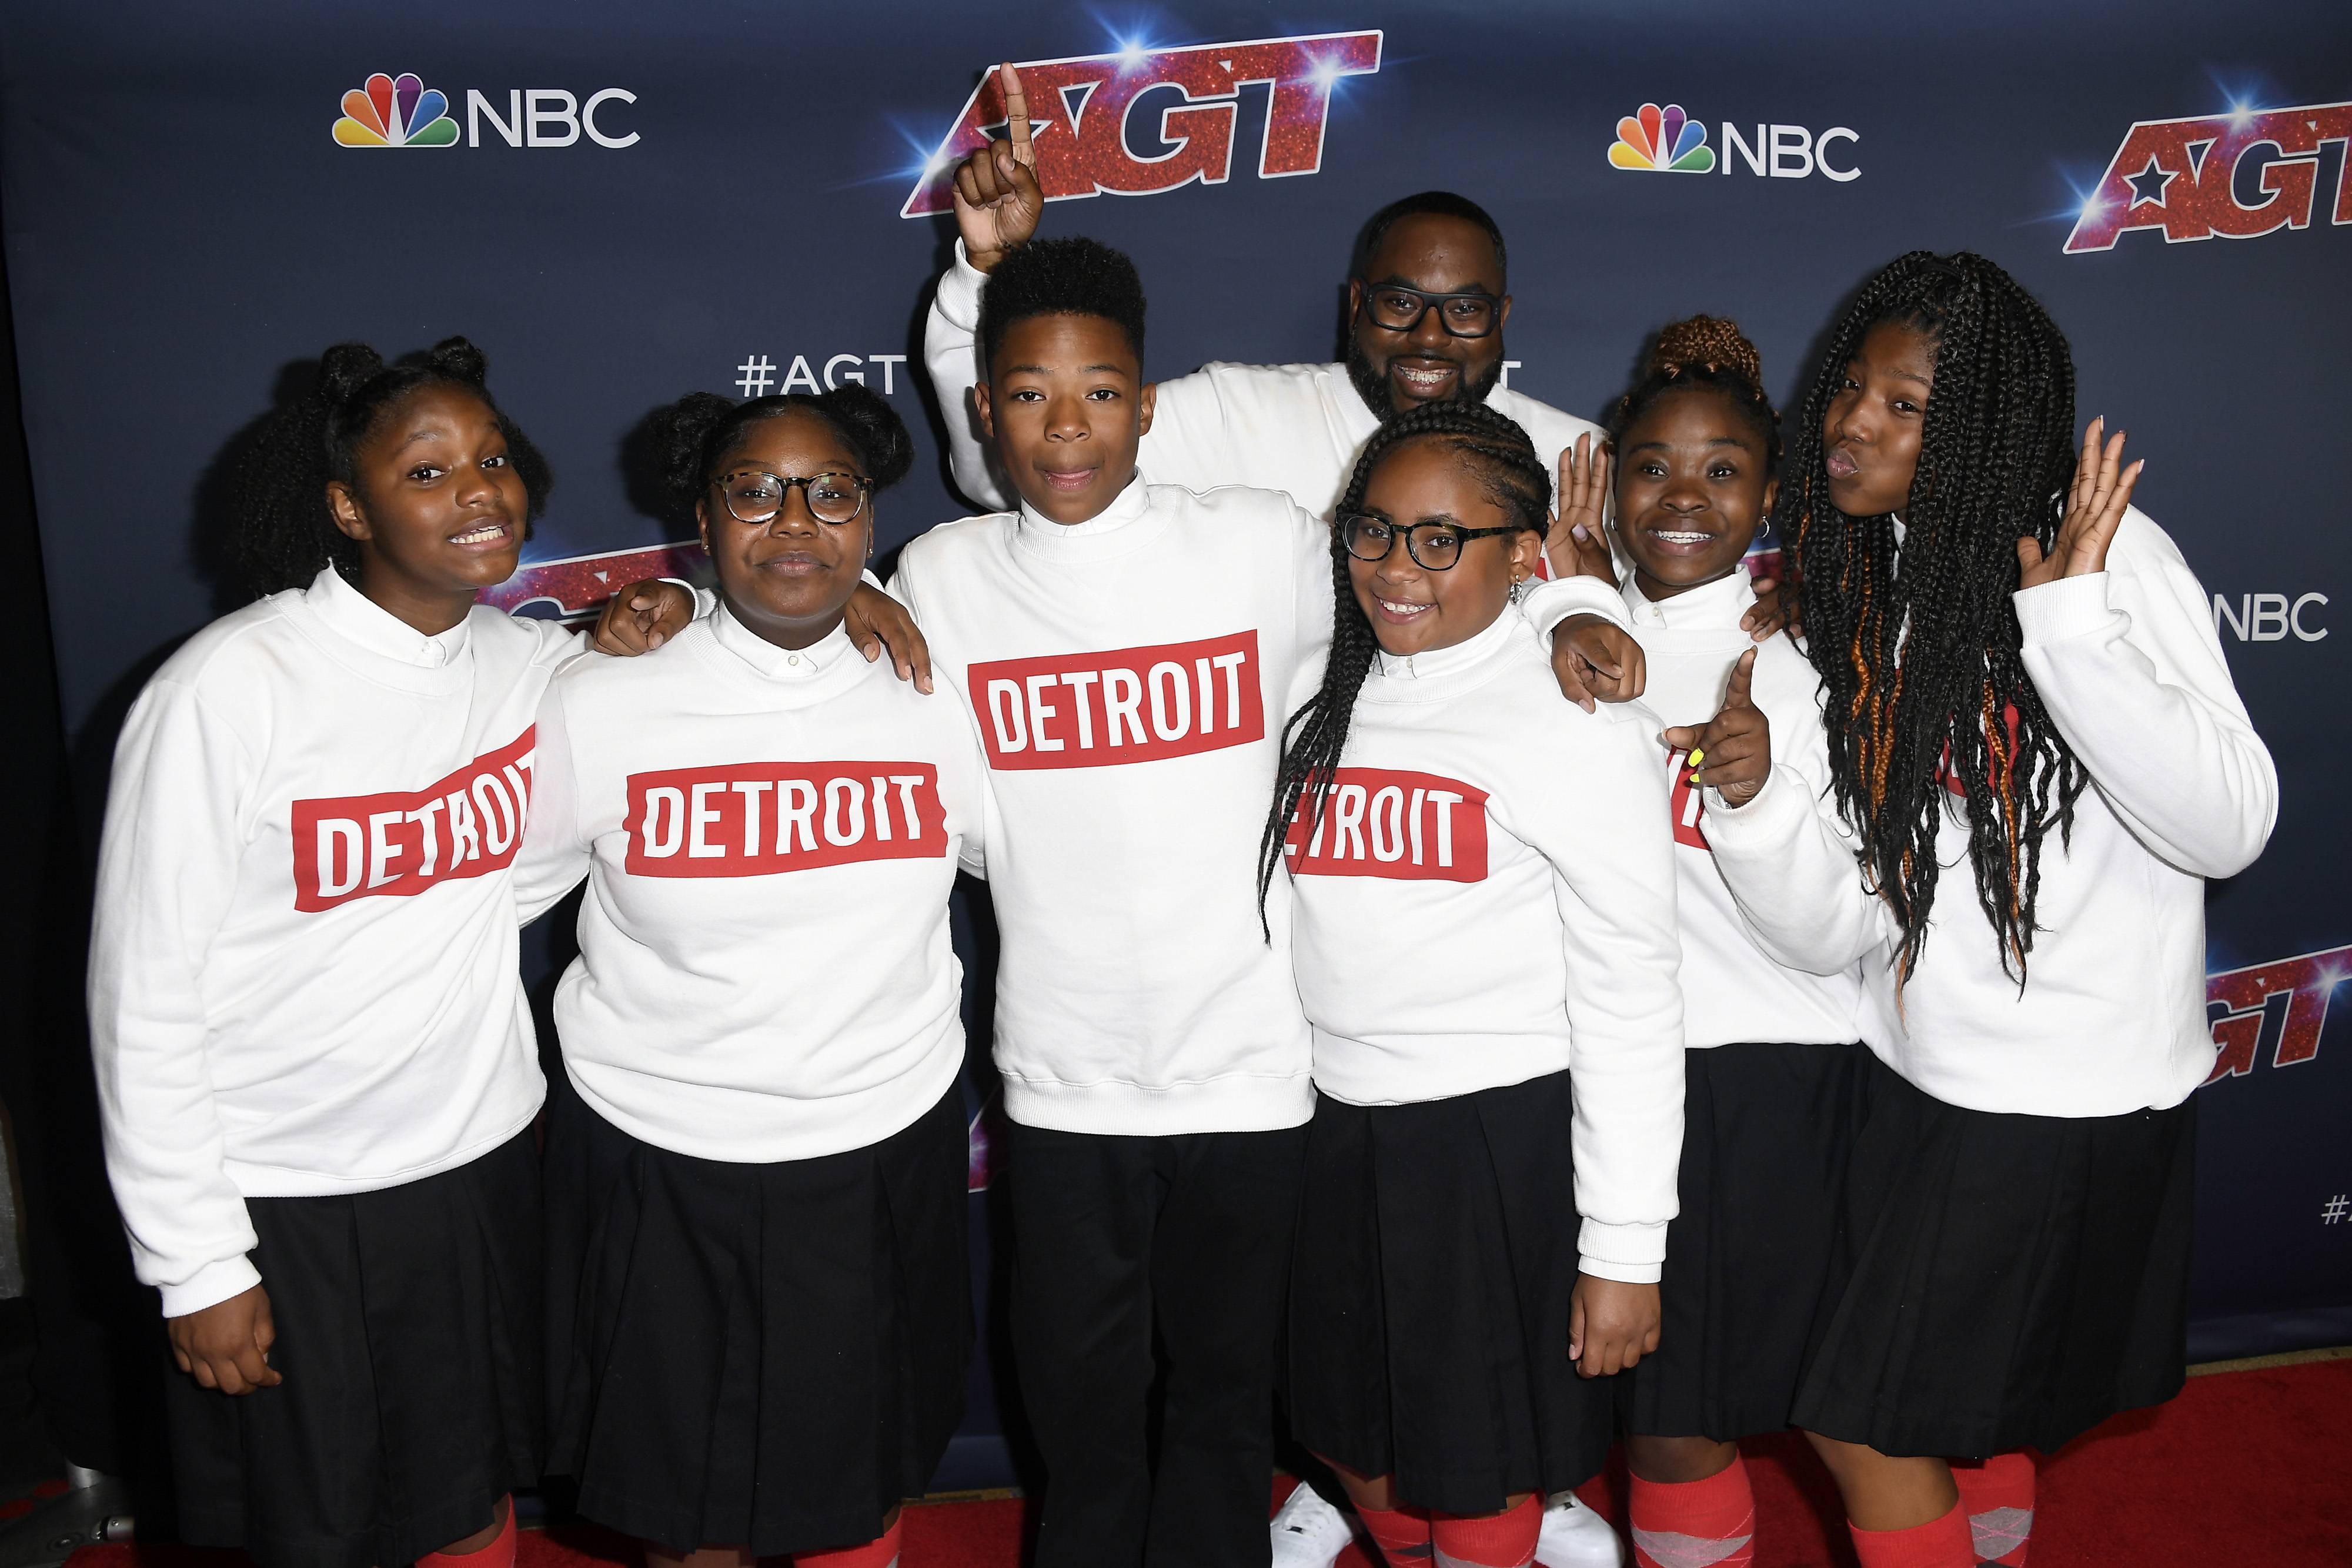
{"points": [[1080, 111], [402, 111], [2240, 175], [1669, 141], [2275, 1010]]}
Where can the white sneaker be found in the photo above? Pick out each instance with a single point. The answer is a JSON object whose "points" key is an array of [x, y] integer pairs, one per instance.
{"points": [[1576, 1537], [1310, 1533]]}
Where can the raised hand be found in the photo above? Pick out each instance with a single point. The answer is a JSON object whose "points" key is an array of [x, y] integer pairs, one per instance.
{"points": [[998, 200], [1578, 545], [1732, 752], [1596, 659], [226, 1345], [2095, 509]]}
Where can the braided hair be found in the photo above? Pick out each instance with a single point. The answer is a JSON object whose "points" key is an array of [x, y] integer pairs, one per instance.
{"points": [[696, 435], [286, 535], [1499, 452], [1916, 645], [1702, 351]]}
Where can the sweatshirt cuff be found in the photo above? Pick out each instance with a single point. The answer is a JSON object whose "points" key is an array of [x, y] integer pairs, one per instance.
{"points": [[1556, 598], [706, 603], [958, 297], [1630, 1254], [2067, 608], [209, 1286], [1771, 814]]}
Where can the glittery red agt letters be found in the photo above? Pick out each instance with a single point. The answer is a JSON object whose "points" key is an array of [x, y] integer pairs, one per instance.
{"points": [[2238, 175], [1080, 111]]}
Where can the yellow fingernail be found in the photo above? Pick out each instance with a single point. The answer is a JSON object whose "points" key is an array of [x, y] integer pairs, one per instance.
{"points": [[1697, 757]]}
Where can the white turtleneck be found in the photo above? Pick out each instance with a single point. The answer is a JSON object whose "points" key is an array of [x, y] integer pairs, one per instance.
{"points": [[770, 836], [1733, 990], [1489, 897], [303, 971]]}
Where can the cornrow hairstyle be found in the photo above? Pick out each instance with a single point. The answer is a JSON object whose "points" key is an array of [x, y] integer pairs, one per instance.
{"points": [[1710, 352], [1434, 203], [1494, 449], [696, 435], [1067, 277], [286, 535], [1917, 643]]}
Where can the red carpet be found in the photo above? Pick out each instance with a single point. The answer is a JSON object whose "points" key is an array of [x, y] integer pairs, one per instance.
{"points": [[2244, 1467]]}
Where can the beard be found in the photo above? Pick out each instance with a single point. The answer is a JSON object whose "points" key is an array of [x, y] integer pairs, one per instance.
{"points": [[1373, 387]]}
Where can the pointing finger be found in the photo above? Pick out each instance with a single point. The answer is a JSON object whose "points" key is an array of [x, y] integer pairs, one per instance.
{"points": [[1016, 117], [1743, 679]]}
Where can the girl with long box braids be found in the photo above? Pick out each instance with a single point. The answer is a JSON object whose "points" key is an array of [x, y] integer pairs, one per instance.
{"points": [[759, 1299], [314, 1054], [1774, 1071], [2022, 690], [1483, 931]]}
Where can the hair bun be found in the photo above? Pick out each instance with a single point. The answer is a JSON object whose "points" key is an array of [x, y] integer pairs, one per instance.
{"points": [[458, 358], [679, 433], [1713, 341], [889, 449], [346, 368]]}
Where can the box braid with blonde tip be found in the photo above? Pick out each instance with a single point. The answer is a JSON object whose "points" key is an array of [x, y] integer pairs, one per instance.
{"points": [[1494, 449], [1706, 352], [1916, 644], [286, 535]]}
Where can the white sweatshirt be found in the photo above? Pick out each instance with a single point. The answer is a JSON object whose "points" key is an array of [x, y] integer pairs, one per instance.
{"points": [[1293, 428], [770, 837], [1487, 897], [1128, 677], [1732, 989], [2111, 1018], [303, 971]]}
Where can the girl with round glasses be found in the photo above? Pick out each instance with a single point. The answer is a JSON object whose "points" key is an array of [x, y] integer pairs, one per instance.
{"points": [[1486, 945], [760, 1308]]}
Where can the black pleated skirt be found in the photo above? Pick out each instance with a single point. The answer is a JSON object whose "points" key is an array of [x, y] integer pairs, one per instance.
{"points": [[408, 1335], [1430, 1296], [1768, 1131], [761, 1354], [2005, 1281]]}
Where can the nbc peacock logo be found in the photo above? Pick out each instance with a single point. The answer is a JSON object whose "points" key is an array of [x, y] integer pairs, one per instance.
{"points": [[1664, 140], [396, 111]]}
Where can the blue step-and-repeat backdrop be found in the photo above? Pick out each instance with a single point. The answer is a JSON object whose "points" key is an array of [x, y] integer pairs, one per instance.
{"points": [[623, 203]]}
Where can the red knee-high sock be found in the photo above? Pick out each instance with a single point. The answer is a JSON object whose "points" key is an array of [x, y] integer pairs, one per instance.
{"points": [[1695, 1524], [1938, 1543], [1400, 1533], [1997, 1497], [499, 1554], [1504, 1539], [882, 1552]]}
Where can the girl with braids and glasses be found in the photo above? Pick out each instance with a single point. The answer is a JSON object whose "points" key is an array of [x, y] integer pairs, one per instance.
{"points": [[2027, 710], [1483, 895], [313, 1050], [756, 1164]]}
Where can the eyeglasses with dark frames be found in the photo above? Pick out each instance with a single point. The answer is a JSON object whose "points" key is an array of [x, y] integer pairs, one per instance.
{"points": [[1435, 547], [1464, 313], [754, 495]]}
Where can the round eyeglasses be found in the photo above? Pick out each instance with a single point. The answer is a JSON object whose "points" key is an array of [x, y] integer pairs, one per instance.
{"points": [[1435, 547], [753, 496]]}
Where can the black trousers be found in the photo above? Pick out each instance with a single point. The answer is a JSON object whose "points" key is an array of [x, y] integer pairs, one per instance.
{"points": [[1121, 1242]]}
